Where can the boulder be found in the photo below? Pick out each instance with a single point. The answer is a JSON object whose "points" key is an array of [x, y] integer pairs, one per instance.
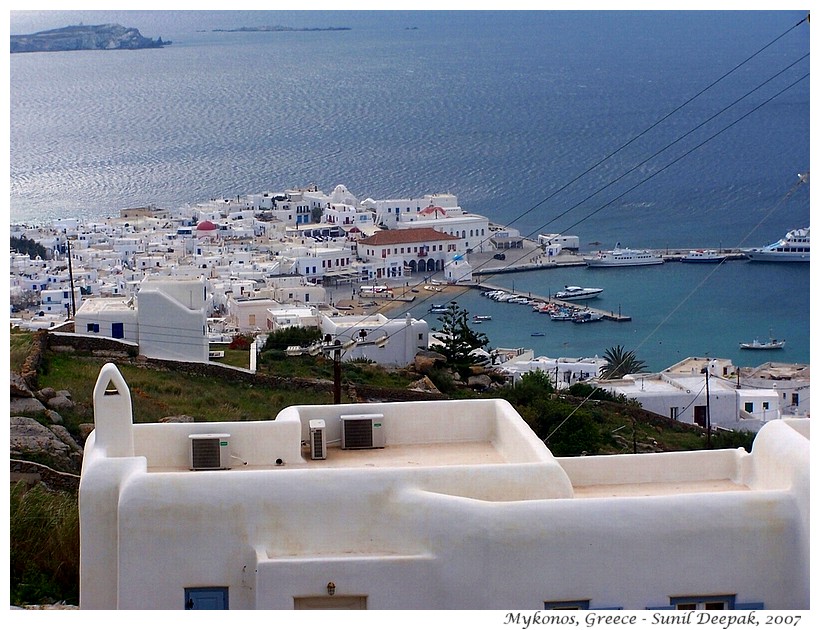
{"points": [[47, 393], [21, 406], [426, 360], [19, 389], [424, 384], [480, 381], [29, 439], [58, 401]]}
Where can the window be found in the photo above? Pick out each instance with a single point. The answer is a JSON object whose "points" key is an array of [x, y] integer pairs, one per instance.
{"points": [[577, 604], [673, 413], [795, 398], [92, 328], [206, 598], [766, 405], [703, 602], [749, 406]]}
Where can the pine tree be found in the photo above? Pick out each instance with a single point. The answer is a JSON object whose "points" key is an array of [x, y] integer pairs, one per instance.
{"points": [[458, 338]]}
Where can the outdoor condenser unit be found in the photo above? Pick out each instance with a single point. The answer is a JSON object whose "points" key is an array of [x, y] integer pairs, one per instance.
{"points": [[363, 431], [210, 451], [318, 440]]}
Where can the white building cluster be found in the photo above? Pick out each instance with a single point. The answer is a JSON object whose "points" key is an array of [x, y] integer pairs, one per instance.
{"points": [[259, 262], [171, 281]]}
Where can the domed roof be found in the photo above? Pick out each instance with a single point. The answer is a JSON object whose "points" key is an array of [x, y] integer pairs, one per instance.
{"points": [[205, 226]]}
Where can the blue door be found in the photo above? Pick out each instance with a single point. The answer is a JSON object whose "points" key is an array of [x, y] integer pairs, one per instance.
{"points": [[117, 331], [206, 598]]}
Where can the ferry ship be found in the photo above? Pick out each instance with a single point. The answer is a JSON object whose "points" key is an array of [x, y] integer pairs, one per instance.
{"points": [[623, 257], [794, 247]]}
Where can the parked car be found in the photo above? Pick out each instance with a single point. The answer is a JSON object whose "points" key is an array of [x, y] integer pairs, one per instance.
{"points": [[500, 257]]}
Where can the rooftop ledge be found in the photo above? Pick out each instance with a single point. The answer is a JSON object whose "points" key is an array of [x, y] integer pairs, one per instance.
{"points": [[475, 449]]}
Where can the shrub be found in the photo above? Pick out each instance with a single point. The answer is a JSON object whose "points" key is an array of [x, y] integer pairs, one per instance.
{"points": [[44, 539]]}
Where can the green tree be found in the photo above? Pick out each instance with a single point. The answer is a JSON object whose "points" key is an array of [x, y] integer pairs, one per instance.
{"points": [[458, 338], [620, 362]]}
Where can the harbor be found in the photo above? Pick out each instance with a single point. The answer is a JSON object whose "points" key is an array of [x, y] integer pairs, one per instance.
{"points": [[533, 299]]}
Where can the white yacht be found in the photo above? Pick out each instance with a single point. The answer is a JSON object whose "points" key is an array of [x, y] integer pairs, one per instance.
{"points": [[794, 247], [623, 257], [578, 293]]}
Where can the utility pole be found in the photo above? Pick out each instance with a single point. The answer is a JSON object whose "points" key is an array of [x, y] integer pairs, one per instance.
{"points": [[70, 276], [708, 414]]}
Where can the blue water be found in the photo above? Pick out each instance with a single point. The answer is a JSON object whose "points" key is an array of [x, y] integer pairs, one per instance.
{"points": [[506, 110]]}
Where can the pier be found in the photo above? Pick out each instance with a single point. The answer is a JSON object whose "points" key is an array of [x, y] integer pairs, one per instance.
{"points": [[610, 315]]}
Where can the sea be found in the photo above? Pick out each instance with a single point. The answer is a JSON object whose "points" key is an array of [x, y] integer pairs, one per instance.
{"points": [[656, 129]]}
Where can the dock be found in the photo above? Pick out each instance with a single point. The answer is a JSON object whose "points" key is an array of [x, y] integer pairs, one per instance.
{"points": [[610, 315]]}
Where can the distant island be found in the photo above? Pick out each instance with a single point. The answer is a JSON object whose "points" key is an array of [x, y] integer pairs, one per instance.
{"points": [[81, 37], [276, 29]]}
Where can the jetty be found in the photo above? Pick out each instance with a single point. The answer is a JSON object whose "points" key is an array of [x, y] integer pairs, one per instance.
{"points": [[605, 314]]}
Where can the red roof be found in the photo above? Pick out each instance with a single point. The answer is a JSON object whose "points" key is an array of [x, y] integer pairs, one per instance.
{"points": [[206, 225], [412, 235]]}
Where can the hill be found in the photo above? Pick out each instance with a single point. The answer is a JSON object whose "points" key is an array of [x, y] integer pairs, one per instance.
{"points": [[82, 37]]}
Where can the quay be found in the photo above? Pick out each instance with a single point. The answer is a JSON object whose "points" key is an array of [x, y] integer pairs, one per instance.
{"points": [[610, 315], [530, 258]]}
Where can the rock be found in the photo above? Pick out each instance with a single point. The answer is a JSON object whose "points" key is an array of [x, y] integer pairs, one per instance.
{"points": [[65, 437], [21, 406], [424, 384], [181, 418], [53, 417], [47, 393], [480, 381], [85, 430], [65, 392], [60, 402], [19, 389], [426, 360], [28, 437]]}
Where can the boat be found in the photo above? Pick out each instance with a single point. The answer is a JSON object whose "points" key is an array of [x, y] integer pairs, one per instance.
{"points": [[537, 334], [438, 308], [482, 318], [771, 344], [623, 257], [562, 315], [578, 293], [794, 247], [587, 317], [704, 256]]}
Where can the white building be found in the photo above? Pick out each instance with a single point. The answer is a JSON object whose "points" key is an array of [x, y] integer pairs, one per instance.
{"points": [[430, 505], [406, 336], [114, 317], [563, 371], [419, 250], [173, 315], [167, 318], [680, 393]]}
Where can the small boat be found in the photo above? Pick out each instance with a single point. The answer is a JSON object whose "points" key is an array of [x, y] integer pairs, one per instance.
{"points": [[438, 308], [481, 318], [561, 315], [771, 344], [537, 334], [587, 317], [578, 293], [703, 256]]}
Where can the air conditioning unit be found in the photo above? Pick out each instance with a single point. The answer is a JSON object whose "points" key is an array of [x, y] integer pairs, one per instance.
{"points": [[363, 431], [318, 440], [210, 451]]}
